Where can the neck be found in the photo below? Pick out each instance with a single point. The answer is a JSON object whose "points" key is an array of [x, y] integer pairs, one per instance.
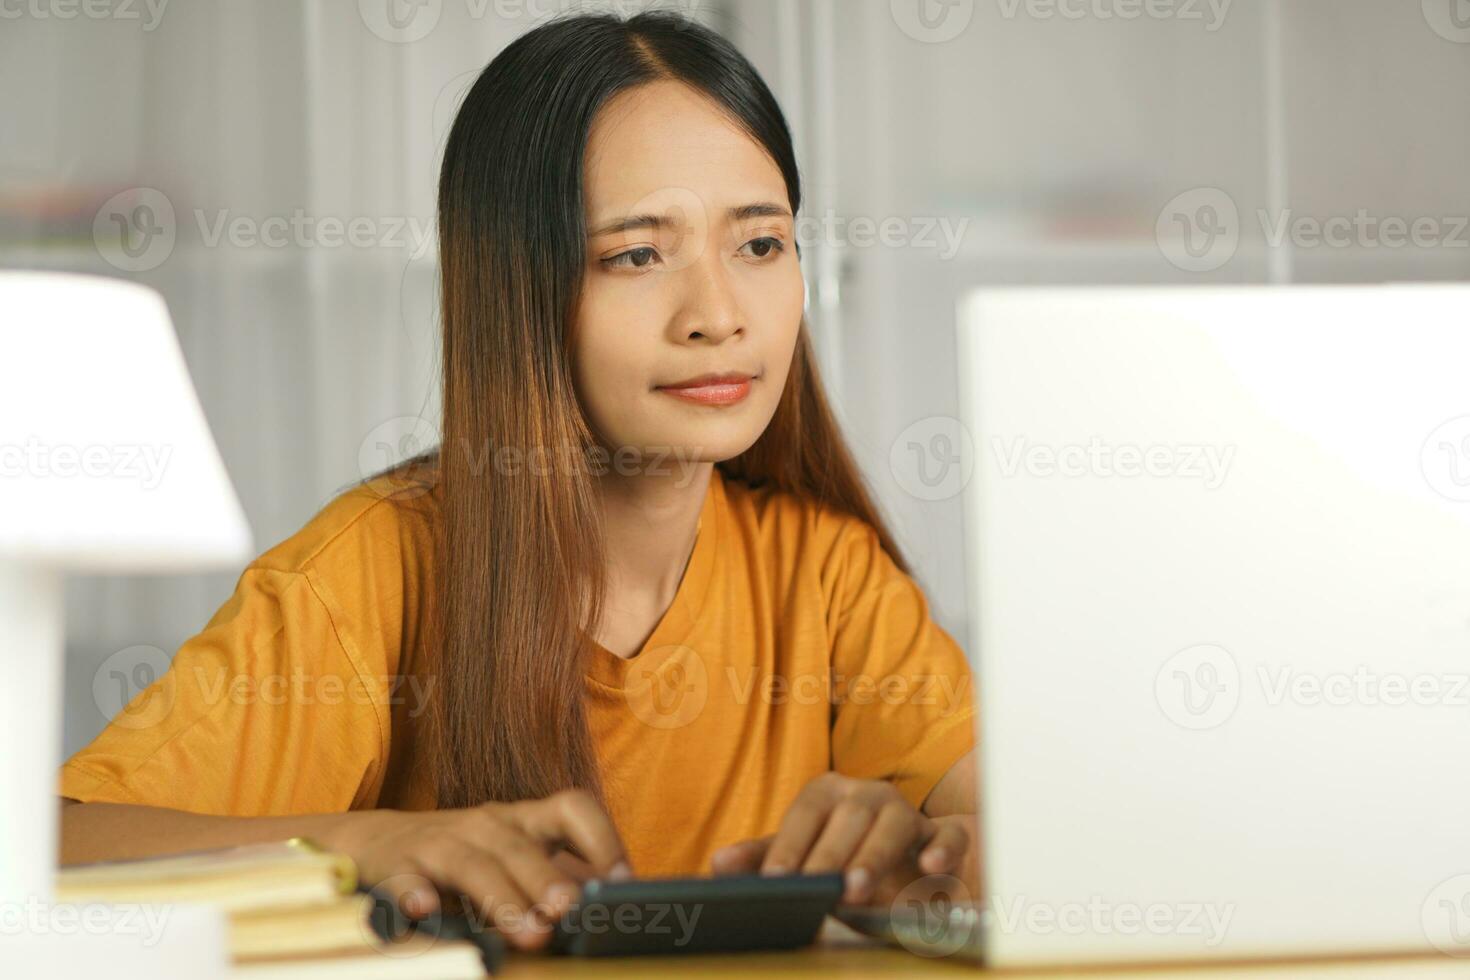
{"points": [[650, 524]]}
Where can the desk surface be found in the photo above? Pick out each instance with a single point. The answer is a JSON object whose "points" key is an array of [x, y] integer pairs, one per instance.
{"points": [[843, 953]]}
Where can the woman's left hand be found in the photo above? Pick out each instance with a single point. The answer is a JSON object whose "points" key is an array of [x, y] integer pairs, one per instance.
{"points": [[862, 827]]}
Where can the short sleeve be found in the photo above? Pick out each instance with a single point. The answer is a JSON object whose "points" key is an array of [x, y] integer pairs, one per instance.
{"points": [[261, 713], [902, 689]]}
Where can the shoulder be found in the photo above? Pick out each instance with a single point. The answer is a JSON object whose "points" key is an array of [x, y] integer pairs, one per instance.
{"points": [[791, 529], [384, 519], [365, 560]]}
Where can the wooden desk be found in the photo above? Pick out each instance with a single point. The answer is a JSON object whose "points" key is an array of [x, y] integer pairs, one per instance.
{"points": [[843, 953]]}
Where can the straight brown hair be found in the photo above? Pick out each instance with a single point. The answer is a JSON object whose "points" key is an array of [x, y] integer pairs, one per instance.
{"points": [[519, 540]]}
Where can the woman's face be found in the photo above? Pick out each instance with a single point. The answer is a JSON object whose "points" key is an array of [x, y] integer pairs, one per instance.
{"points": [[692, 296]]}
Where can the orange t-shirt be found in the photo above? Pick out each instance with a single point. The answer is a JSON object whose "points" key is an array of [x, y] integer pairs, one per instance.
{"points": [[793, 646]]}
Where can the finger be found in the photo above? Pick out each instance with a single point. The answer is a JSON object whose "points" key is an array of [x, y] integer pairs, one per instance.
{"points": [[492, 893], [799, 829], [946, 847], [411, 892], [846, 828], [886, 847], [573, 866], [741, 857], [551, 890], [573, 816]]}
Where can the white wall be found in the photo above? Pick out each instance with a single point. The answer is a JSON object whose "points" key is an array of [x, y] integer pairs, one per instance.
{"points": [[1059, 139], [1063, 138]]}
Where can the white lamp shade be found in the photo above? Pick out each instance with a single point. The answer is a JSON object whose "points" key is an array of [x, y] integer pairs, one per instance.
{"points": [[106, 462]]}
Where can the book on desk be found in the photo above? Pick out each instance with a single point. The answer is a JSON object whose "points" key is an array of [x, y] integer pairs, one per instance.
{"points": [[294, 911]]}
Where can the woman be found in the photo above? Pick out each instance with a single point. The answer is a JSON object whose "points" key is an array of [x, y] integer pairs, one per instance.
{"points": [[636, 614]]}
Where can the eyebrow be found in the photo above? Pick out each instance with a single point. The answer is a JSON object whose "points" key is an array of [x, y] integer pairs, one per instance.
{"points": [[761, 209]]}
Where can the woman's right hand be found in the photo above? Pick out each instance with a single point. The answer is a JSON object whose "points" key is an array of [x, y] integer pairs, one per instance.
{"points": [[508, 860]]}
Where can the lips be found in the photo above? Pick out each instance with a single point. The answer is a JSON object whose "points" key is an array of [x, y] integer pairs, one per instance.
{"points": [[707, 380], [711, 389]]}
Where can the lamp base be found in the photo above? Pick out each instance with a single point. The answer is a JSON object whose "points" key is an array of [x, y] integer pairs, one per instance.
{"points": [[40, 937], [30, 730]]}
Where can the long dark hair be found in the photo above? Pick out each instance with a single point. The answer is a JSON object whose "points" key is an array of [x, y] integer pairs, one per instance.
{"points": [[519, 575]]}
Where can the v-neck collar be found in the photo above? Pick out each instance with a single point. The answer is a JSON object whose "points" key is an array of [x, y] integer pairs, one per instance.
{"points": [[605, 667]]}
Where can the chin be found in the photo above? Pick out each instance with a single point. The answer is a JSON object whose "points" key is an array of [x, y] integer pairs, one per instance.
{"points": [[686, 448], [695, 451], [717, 442]]}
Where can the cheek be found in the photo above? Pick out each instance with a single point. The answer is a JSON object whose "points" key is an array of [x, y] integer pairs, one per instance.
{"points": [[781, 308], [609, 365]]}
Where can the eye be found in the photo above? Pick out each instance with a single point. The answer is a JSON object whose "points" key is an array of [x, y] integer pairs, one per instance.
{"points": [[634, 258], [764, 247]]}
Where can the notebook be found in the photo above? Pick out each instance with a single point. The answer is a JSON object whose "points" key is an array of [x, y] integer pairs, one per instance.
{"points": [[417, 957], [250, 876], [294, 910]]}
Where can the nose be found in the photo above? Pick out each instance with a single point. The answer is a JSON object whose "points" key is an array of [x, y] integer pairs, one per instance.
{"points": [[711, 311]]}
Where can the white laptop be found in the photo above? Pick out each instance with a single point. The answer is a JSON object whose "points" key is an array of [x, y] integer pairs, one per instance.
{"points": [[1219, 554]]}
